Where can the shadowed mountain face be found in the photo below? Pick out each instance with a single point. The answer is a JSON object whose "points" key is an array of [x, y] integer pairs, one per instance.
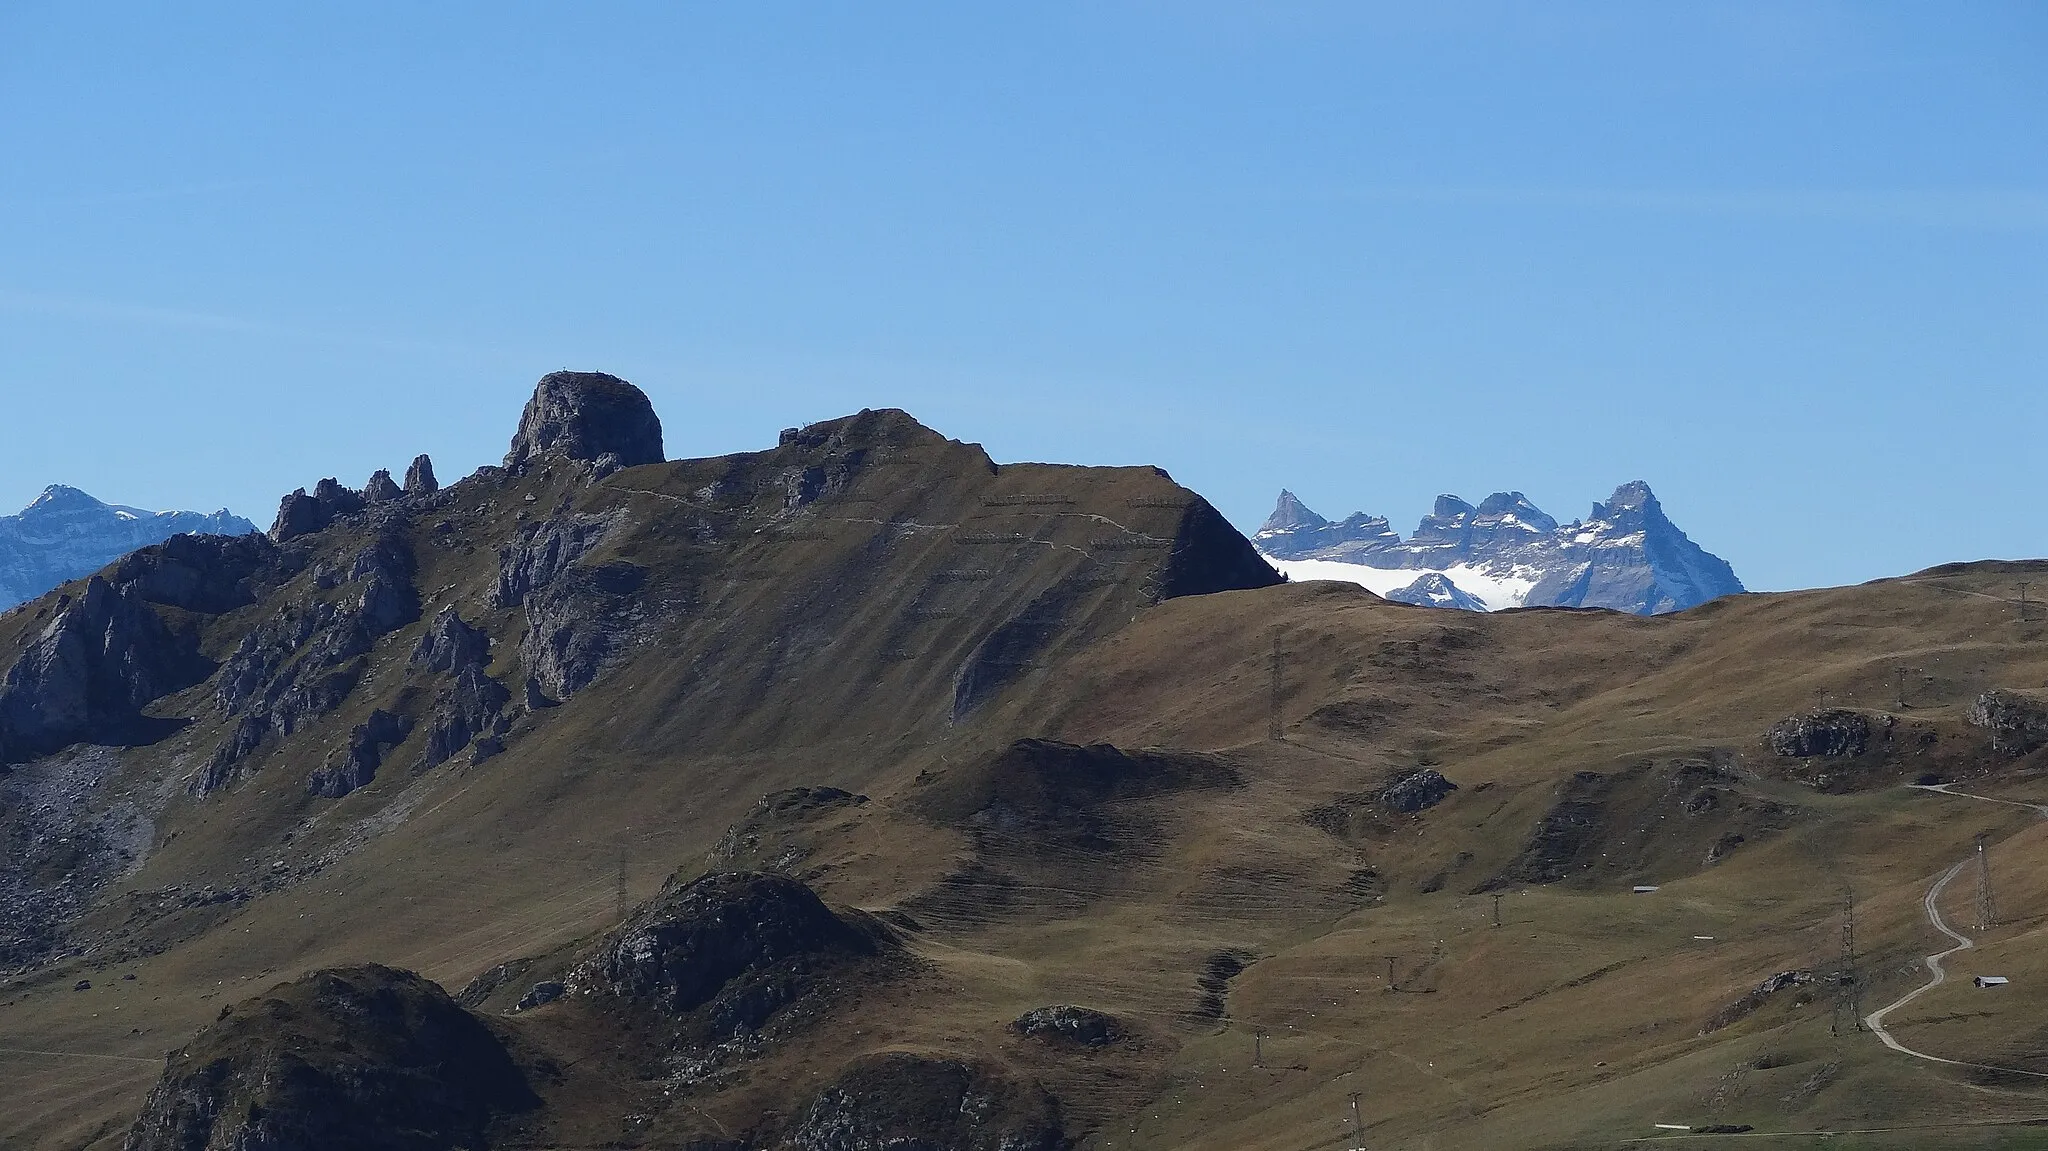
{"points": [[860, 792], [1625, 556], [66, 535]]}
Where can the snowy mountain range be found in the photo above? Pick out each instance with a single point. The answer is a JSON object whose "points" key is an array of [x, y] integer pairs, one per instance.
{"points": [[66, 534], [1626, 555]]}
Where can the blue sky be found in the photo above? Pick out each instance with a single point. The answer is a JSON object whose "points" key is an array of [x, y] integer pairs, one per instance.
{"points": [[1786, 261]]}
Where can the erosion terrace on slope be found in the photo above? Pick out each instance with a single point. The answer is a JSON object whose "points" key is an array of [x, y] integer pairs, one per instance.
{"points": [[860, 792], [1626, 555]]}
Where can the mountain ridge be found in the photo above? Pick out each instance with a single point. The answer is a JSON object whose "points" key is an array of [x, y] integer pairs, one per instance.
{"points": [[66, 534], [1626, 555], [861, 791]]}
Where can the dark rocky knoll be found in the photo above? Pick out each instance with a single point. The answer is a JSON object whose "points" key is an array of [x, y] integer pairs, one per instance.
{"points": [[902, 1101], [356, 1059], [731, 948]]}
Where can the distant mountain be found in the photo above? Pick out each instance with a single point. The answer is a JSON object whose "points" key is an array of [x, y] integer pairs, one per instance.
{"points": [[1435, 589], [1626, 555], [66, 534]]}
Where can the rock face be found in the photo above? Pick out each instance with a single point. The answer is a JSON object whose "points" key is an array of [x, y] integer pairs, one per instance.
{"points": [[355, 1059], [199, 573], [450, 645], [2018, 723], [898, 1101], [1417, 792], [732, 947], [89, 673], [1069, 1025], [304, 660], [467, 714], [1833, 731], [301, 513], [586, 416], [66, 534], [1625, 556], [356, 765]]}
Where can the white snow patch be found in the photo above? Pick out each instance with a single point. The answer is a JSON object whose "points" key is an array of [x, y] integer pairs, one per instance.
{"points": [[1495, 588]]}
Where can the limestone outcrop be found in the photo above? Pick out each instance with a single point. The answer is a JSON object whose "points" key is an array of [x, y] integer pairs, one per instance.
{"points": [[586, 416]]}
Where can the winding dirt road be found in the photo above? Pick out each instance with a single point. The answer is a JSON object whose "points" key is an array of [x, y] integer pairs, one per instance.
{"points": [[1936, 975]]}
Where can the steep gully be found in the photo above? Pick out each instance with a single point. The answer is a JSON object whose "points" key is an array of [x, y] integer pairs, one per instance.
{"points": [[1937, 975]]}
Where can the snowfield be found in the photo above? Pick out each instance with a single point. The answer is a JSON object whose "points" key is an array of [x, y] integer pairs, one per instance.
{"points": [[1495, 588]]}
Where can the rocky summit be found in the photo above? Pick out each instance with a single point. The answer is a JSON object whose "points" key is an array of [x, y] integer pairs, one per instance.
{"points": [[860, 792], [1626, 555], [66, 534]]}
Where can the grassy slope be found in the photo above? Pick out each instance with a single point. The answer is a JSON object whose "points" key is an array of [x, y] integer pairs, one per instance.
{"points": [[820, 650]]}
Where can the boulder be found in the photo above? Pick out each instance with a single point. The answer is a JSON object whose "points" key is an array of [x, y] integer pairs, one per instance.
{"points": [[584, 416]]}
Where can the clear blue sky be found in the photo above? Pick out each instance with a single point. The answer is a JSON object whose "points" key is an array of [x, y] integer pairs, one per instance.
{"points": [[1786, 261]]}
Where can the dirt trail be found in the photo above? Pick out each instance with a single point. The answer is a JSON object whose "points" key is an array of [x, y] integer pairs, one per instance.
{"points": [[1937, 976]]}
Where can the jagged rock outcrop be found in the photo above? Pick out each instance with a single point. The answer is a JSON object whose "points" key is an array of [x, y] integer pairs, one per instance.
{"points": [[1756, 997], [470, 713], [419, 477], [382, 489], [449, 645], [1419, 791], [901, 1101], [1069, 1025], [304, 660], [1505, 552], [1833, 731], [210, 574], [2018, 723], [65, 534], [354, 1059], [730, 949], [302, 513], [88, 675], [356, 764], [586, 416]]}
